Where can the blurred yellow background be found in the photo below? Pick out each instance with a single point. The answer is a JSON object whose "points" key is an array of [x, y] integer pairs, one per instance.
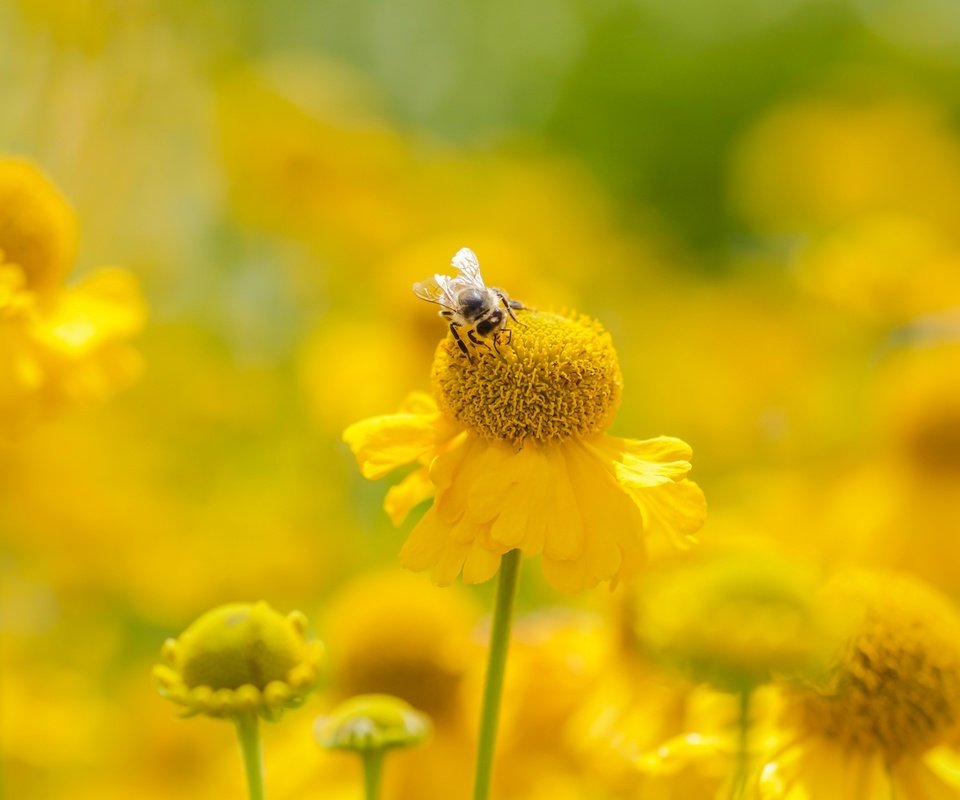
{"points": [[759, 200]]}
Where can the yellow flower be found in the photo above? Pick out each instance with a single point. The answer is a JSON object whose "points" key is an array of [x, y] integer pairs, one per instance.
{"points": [[240, 658], [883, 723], [372, 722], [61, 344], [740, 618], [38, 229], [389, 632], [515, 453]]}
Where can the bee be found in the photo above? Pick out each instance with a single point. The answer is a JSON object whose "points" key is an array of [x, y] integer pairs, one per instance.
{"points": [[471, 307]]}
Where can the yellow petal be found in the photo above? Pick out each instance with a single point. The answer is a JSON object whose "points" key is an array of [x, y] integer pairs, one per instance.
{"points": [[565, 528], [410, 492], [816, 769], [481, 565], [675, 510], [106, 306], [518, 499], [425, 544], [453, 473], [672, 506], [935, 777], [381, 444], [649, 462]]}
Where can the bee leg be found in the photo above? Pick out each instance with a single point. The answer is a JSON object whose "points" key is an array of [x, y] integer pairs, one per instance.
{"points": [[510, 305], [472, 336], [506, 334], [460, 343]]}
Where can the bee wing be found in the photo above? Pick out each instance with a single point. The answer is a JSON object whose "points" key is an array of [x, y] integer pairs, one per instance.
{"points": [[468, 268], [437, 290]]}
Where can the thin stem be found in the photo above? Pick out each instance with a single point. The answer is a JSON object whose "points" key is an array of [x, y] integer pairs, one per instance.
{"points": [[496, 663], [372, 763], [248, 732], [739, 788]]}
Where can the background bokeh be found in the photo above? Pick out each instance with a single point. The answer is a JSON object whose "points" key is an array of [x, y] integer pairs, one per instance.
{"points": [[761, 201]]}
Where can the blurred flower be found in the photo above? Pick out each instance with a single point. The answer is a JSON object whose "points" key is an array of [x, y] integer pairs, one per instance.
{"points": [[240, 658], [889, 265], [38, 228], [372, 722], [558, 657], [896, 508], [518, 460], [739, 619], [390, 632], [811, 164], [881, 723], [62, 344]]}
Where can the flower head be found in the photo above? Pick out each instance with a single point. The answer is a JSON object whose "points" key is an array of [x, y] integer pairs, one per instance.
{"points": [[514, 452], [38, 229], [559, 379], [389, 632], [372, 722], [881, 724], [240, 657], [739, 619]]}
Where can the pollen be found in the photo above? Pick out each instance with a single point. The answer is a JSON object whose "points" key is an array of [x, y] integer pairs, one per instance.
{"points": [[896, 687], [555, 378], [38, 228]]}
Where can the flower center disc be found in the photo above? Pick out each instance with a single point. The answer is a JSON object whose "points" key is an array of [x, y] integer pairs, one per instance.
{"points": [[555, 378], [897, 687]]}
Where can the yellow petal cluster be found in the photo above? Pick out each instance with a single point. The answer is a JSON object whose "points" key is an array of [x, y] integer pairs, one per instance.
{"points": [[514, 454]]}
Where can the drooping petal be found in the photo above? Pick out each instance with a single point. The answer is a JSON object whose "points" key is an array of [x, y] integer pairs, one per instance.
{"points": [[649, 462], [525, 486], [480, 565], [407, 494], [672, 506], [426, 543], [565, 525], [381, 444], [453, 473], [612, 524]]}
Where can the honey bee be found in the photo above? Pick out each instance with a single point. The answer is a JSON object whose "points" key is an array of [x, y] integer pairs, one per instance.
{"points": [[471, 307]]}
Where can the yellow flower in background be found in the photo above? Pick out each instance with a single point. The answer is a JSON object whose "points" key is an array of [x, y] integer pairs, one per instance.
{"points": [[390, 633], [889, 265], [62, 344], [38, 228], [240, 658], [813, 163], [514, 451], [739, 619], [884, 722]]}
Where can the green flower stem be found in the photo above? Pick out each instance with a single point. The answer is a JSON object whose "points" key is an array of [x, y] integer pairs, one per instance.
{"points": [[739, 788], [248, 731], [496, 663], [372, 763]]}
